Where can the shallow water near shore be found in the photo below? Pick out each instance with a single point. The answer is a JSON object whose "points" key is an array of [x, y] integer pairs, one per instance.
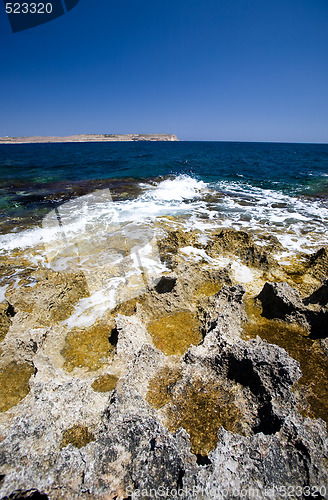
{"points": [[257, 186]]}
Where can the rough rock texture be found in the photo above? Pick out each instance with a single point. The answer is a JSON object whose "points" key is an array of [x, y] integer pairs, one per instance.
{"points": [[319, 296], [242, 244], [307, 274], [52, 298], [133, 445], [6, 313], [318, 263], [220, 420], [279, 300]]}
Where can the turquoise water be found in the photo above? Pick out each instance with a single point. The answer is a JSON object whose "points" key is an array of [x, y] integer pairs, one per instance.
{"points": [[276, 188]]}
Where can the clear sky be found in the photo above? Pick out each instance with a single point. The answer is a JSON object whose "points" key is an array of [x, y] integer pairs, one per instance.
{"points": [[245, 70]]}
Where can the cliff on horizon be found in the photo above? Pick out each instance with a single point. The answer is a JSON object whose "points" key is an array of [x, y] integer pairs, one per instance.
{"points": [[89, 138]]}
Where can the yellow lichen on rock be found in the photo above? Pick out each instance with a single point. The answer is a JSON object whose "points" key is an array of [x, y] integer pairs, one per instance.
{"points": [[208, 288], [78, 436], [174, 333], [5, 321], [53, 298], [200, 407], [160, 387], [241, 244], [14, 384], [105, 383], [88, 347], [295, 339], [127, 308]]}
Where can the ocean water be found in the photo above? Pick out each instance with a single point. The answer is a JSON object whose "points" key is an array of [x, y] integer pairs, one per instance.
{"points": [[257, 186], [101, 208]]}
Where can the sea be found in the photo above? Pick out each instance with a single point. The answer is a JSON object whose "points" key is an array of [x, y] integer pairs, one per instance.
{"points": [[54, 196]]}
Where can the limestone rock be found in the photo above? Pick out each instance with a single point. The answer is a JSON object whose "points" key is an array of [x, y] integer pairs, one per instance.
{"points": [[239, 243], [223, 415], [6, 313], [279, 300]]}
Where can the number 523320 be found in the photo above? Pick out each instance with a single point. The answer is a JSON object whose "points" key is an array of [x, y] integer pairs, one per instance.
{"points": [[28, 8]]}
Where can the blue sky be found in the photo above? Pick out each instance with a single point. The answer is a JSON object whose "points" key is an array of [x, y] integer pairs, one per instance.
{"points": [[245, 70]]}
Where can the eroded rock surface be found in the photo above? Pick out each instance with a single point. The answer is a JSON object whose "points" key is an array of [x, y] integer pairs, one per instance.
{"points": [[281, 301], [166, 392]]}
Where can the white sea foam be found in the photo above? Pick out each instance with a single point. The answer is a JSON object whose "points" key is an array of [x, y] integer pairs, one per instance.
{"points": [[97, 213], [240, 272], [89, 309], [114, 243], [299, 223], [180, 188], [196, 254], [3, 293]]}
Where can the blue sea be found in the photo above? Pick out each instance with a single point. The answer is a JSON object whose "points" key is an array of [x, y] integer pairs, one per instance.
{"points": [[279, 189]]}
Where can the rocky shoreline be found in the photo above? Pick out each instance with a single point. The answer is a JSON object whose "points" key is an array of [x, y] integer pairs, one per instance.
{"points": [[207, 386], [89, 138]]}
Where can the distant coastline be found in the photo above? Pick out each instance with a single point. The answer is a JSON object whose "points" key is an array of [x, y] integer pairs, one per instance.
{"points": [[89, 138]]}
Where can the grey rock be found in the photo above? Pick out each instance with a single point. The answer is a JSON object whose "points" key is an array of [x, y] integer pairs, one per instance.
{"points": [[319, 296], [280, 301], [133, 451]]}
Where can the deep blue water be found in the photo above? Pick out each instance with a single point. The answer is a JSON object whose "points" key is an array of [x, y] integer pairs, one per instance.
{"points": [[35, 176]]}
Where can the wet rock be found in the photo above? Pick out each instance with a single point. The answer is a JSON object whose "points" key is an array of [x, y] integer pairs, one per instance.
{"points": [[52, 298], [317, 265], [174, 240], [240, 243], [177, 239]]}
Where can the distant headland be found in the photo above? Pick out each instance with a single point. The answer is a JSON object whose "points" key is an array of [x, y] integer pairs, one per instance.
{"points": [[89, 138]]}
